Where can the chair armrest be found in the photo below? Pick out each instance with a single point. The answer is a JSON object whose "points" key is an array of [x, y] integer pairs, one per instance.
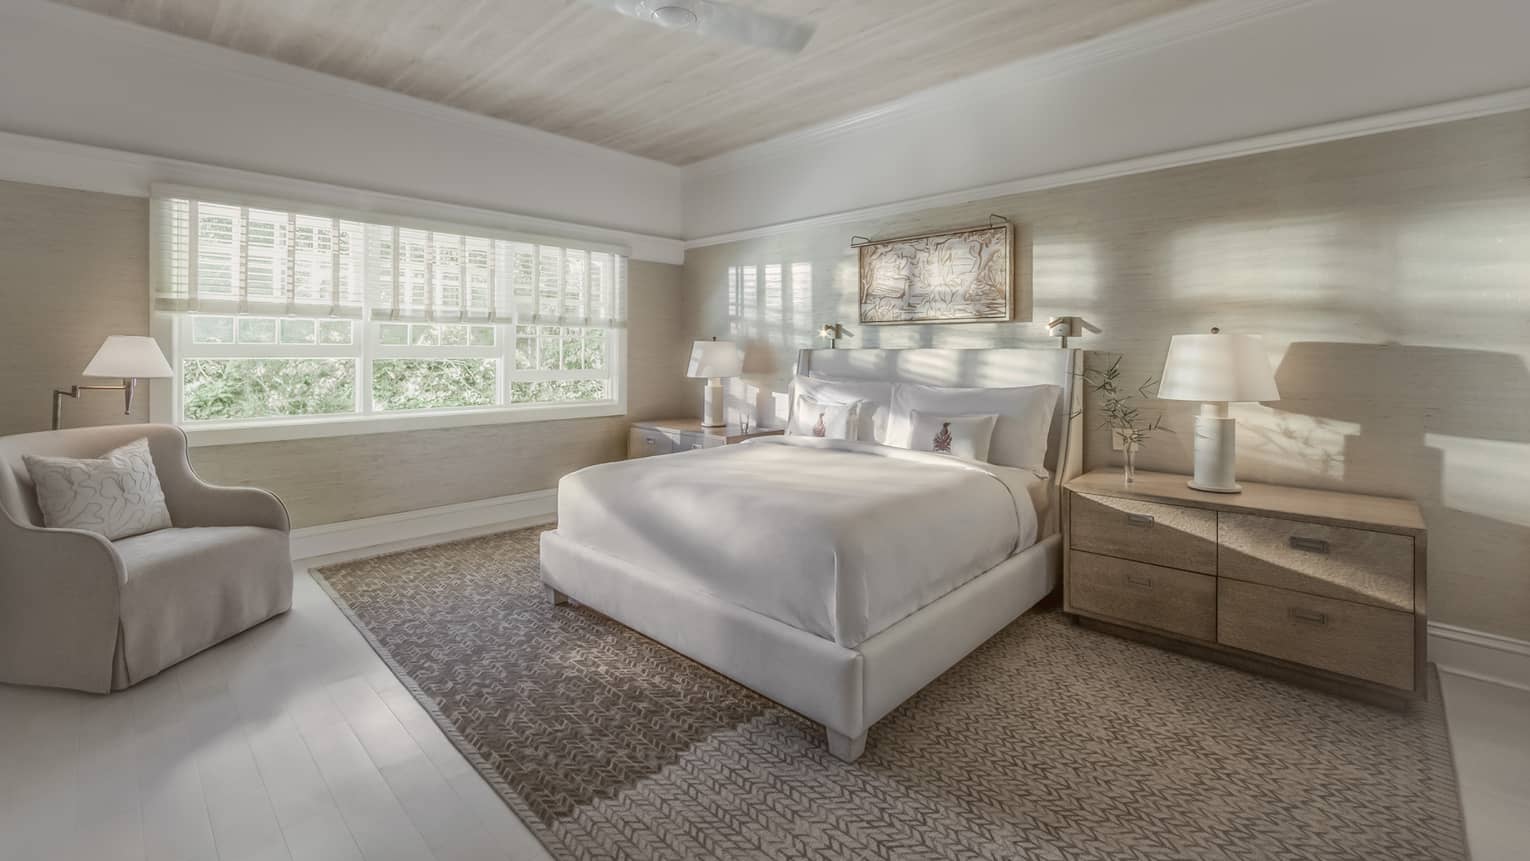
{"points": [[201, 504], [194, 502], [60, 606]]}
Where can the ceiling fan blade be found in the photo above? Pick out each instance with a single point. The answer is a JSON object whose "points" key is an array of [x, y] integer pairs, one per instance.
{"points": [[709, 18], [754, 28]]}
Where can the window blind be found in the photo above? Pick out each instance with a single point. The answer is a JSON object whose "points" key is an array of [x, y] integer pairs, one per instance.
{"points": [[224, 257]]}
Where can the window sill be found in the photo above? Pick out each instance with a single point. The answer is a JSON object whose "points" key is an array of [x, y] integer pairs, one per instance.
{"points": [[238, 433]]}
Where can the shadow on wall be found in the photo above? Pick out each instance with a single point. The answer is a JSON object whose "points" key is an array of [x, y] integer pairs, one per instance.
{"points": [[1453, 433]]}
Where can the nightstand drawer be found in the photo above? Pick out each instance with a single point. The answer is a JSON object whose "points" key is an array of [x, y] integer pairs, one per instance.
{"points": [[1151, 595], [1351, 564], [1342, 637], [1173, 535], [688, 441], [642, 442]]}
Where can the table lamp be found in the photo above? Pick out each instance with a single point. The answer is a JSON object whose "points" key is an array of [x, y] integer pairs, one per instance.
{"points": [[129, 358], [714, 360], [1216, 370]]}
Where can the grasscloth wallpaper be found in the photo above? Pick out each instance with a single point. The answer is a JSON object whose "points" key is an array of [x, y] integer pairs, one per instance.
{"points": [[74, 268], [1389, 274]]}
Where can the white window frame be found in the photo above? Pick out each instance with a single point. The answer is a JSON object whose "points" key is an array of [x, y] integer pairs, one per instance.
{"points": [[173, 331]]}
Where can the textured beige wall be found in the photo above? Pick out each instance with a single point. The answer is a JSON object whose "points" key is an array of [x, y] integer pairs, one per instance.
{"points": [[1390, 275], [74, 268]]}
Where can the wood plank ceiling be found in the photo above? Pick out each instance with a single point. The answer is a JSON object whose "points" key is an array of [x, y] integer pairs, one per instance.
{"points": [[566, 67]]}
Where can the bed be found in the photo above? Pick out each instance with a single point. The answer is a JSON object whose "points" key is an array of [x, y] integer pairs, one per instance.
{"points": [[836, 578]]}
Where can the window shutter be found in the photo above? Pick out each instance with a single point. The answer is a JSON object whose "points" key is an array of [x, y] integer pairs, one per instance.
{"points": [[227, 258], [170, 220]]}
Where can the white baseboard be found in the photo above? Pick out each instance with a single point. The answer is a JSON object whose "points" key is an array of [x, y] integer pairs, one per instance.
{"points": [[1477, 655], [330, 542]]}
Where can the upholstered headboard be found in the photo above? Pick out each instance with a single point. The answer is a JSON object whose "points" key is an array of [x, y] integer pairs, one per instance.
{"points": [[1000, 366]]}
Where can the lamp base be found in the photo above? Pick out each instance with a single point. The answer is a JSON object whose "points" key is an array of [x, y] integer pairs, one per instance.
{"points": [[1193, 485], [713, 414], [1216, 451]]}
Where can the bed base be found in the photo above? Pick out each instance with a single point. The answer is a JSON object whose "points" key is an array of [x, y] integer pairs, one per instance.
{"points": [[845, 690]]}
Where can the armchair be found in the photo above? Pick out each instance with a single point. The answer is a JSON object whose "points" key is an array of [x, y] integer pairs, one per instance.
{"points": [[79, 611]]}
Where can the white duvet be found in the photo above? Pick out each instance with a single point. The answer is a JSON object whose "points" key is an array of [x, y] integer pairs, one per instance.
{"points": [[840, 539]]}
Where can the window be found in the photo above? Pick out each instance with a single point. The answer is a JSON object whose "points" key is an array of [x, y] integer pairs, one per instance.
{"points": [[278, 316]]}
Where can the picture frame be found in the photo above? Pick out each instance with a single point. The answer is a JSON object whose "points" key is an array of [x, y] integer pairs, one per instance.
{"points": [[953, 276]]}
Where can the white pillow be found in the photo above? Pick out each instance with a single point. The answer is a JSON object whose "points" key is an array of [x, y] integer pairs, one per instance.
{"points": [[1020, 434], [966, 437], [871, 418], [117, 494], [815, 418]]}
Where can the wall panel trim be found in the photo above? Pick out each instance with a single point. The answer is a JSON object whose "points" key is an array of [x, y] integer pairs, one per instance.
{"points": [[1480, 655], [370, 536]]}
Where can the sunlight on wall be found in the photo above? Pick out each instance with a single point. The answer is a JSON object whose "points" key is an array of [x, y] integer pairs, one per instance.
{"points": [[1320, 275], [1461, 275], [1271, 440], [772, 312], [1068, 268], [769, 307], [802, 297], [1485, 477], [735, 304]]}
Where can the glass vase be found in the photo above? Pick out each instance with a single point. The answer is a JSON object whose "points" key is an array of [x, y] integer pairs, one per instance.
{"points": [[1129, 464]]}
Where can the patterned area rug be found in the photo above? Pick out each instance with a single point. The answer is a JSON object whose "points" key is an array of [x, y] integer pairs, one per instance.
{"points": [[1049, 742]]}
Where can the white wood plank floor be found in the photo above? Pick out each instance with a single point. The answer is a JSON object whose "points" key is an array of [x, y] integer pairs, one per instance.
{"points": [[291, 741], [294, 741]]}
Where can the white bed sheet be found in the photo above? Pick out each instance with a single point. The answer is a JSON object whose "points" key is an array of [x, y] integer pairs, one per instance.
{"points": [[840, 539]]}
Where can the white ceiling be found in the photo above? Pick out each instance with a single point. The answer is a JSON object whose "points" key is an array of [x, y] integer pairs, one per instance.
{"points": [[565, 67]]}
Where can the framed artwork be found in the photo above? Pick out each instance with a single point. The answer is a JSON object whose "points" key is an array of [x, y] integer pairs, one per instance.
{"points": [[965, 276]]}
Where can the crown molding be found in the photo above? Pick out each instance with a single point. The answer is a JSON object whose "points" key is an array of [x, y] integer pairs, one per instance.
{"points": [[1444, 112], [230, 61], [963, 93], [43, 161]]}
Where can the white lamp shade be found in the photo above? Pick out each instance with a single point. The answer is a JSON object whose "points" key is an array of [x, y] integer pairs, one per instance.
{"points": [[129, 357], [715, 359], [1217, 368]]}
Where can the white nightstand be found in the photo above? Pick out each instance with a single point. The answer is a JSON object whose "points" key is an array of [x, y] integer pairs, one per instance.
{"points": [[664, 436]]}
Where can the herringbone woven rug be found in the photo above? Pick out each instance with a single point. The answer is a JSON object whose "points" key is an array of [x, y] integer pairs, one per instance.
{"points": [[1049, 742]]}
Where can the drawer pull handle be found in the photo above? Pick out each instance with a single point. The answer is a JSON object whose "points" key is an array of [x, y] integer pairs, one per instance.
{"points": [[1308, 545], [1310, 616], [1142, 580], [1139, 519]]}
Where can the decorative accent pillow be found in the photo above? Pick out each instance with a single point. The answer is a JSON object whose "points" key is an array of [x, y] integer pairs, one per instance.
{"points": [[830, 421], [117, 494], [1019, 436], [961, 436], [870, 419]]}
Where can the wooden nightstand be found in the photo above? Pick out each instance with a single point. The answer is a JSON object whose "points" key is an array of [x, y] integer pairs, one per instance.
{"points": [[1321, 587], [664, 436]]}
